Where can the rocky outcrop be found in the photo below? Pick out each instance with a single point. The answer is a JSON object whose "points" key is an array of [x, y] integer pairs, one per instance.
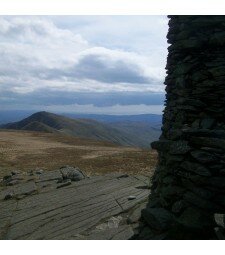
{"points": [[188, 187], [66, 204]]}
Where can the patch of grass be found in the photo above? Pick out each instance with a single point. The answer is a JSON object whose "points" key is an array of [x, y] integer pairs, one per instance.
{"points": [[31, 150]]}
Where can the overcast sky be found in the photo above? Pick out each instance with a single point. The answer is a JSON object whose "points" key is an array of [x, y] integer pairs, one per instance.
{"points": [[92, 64]]}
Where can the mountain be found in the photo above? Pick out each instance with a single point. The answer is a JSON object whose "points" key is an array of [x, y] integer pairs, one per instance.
{"points": [[7, 116], [128, 133], [140, 131], [149, 118]]}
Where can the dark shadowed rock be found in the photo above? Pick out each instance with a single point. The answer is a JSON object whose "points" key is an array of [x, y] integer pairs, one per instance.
{"points": [[179, 147], [157, 218], [15, 172], [162, 145], [179, 206], [200, 202], [207, 123], [193, 127], [195, 218], [203, 157], [195, 168], [217, 182], [209, 142], [8, 196], [146, 234]]}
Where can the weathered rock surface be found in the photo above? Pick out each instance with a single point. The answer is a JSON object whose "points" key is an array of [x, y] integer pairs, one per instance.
{"points": [[92, 208]]}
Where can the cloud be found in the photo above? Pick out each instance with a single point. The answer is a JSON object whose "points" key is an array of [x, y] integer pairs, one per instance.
{"points": [[102, 68], [61, 56], [34, 49], [109, 66]]}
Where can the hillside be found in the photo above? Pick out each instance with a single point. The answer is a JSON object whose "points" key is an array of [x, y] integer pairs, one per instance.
{"points": [[149, 118], [144, 132], [27, 150], [84, 128], [118, 133]]}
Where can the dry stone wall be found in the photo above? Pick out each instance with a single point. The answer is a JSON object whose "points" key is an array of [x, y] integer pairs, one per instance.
{"points": [[188, 187]]}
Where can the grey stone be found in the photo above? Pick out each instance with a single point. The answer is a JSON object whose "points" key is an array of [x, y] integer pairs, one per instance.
{"points": [[135, 215], [39, 171], [15, 172], [27, 188], [64, 184], [72, 212], [74, 174], [12, 182], [220, 233], [220, 220], [49, 176]]}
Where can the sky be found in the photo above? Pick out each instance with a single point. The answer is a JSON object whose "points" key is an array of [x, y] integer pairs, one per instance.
{"points": [[83, 64]]}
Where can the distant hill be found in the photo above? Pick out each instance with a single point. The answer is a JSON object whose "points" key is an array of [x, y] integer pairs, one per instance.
{"points": [[149, 118], [128, 133], [139, 132]]}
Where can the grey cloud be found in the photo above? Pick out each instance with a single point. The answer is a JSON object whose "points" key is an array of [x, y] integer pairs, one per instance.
{"points": [[103, 69], [42, 63]]}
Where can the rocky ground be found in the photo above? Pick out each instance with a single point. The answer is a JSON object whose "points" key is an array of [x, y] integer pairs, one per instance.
{"points": [[66, 204]]}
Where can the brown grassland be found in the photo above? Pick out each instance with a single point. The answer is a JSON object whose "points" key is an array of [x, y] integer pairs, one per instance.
{"points": [[26, 150]]}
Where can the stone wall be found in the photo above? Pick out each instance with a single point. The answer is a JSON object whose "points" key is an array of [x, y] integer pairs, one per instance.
{"points": [[188, 187]]}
